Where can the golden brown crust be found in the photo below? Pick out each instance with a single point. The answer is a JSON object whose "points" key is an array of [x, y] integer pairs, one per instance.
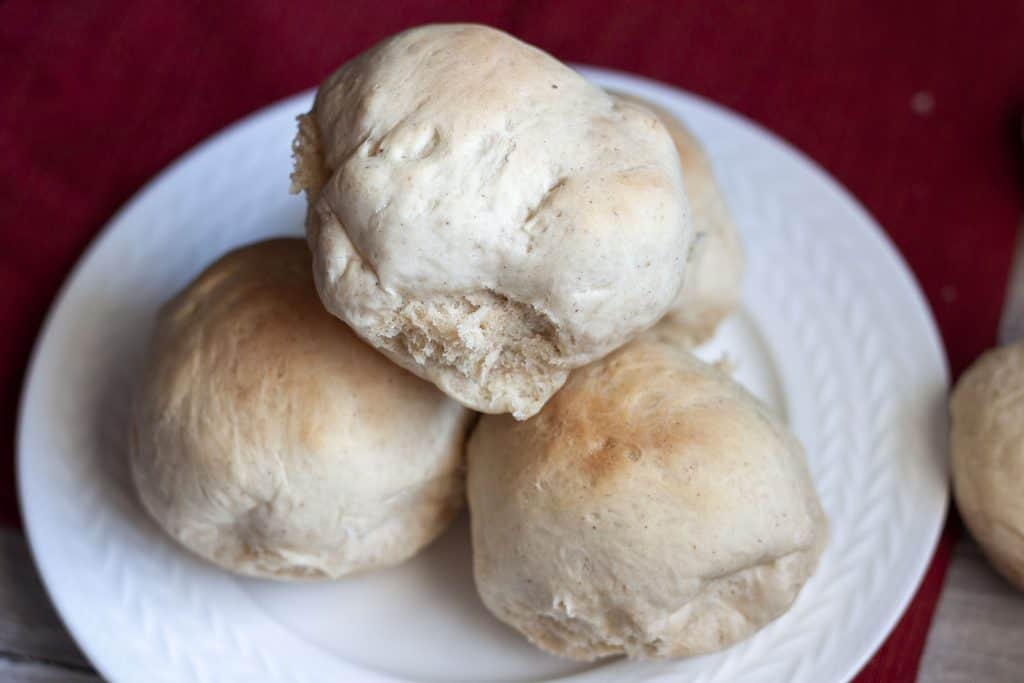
{"points": [[652, 507], [272, 441]]}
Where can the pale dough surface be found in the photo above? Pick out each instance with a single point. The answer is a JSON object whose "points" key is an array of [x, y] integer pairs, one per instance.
{"points": [[652, 508], [272, 441], [987, 451], [485, 216]]}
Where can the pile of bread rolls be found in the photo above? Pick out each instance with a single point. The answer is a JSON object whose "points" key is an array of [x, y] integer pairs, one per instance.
{"points": [[487, 232]]}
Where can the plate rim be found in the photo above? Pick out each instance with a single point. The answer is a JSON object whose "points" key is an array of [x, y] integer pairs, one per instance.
{"points": [[923, 312], [32, 370]]}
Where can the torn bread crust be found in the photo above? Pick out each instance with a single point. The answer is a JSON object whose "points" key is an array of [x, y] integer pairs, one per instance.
{"points": [[484, 229]]}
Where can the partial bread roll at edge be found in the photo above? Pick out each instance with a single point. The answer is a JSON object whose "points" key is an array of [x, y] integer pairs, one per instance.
{"points": [[713, 284], [987, 454], [652, 508], [272, 441]]}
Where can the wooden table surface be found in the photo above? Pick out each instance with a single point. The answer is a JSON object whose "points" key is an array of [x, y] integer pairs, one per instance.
{"points": [[978, 631], [34, 645], [977, 635]]}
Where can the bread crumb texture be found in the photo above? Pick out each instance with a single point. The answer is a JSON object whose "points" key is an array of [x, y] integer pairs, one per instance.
{"points": [[486, 217]]}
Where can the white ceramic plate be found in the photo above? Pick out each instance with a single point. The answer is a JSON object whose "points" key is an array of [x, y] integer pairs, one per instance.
{"points": [[835, 334]]}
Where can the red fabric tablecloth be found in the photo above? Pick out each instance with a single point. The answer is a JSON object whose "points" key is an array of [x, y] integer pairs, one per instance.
{"points": [[914, 107]]}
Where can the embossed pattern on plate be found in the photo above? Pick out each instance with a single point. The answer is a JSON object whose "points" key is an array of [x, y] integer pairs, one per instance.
{"points": [[851, 352]]}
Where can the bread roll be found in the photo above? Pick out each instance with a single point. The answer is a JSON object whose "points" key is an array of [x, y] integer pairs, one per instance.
{"points": [[713, 285], [987, 449], [486, 217], [652, 508], [272, 441]]}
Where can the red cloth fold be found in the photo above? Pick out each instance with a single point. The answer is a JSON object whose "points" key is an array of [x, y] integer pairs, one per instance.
{"points": [[914, 108]]}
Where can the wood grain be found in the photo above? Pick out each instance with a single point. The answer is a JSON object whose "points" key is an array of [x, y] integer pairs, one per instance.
{"points": [[35, 672], [977, 635], [34, 645], [978, 632]]}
